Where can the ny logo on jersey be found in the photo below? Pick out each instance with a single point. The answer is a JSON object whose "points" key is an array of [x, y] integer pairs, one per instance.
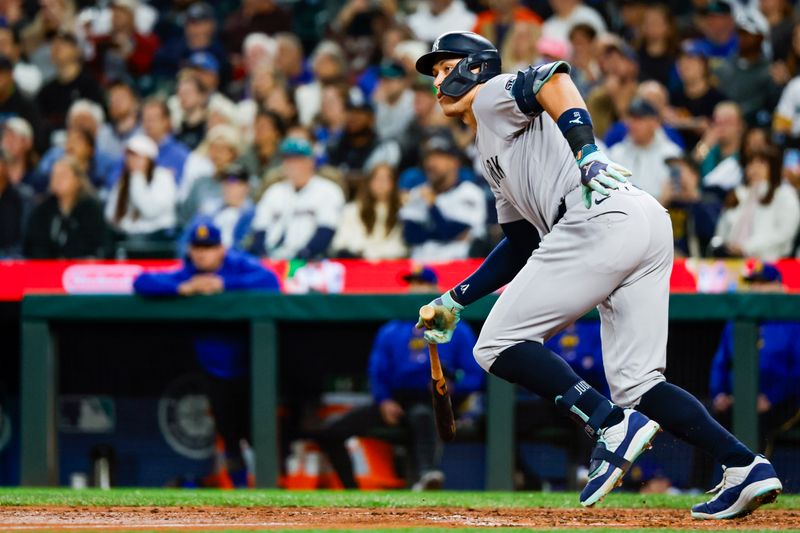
{"points": [[577, 119], [495, 171]]}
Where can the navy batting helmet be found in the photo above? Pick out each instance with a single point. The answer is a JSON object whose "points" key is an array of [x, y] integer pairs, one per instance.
{"points": [[477, 52]]}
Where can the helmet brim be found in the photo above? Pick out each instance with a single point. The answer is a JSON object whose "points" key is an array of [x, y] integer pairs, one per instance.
{"points": [[426, 62]]}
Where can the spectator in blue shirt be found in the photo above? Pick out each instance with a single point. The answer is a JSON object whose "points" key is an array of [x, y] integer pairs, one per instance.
{"points": [[400, 378], [209, 269], [156, 124]]}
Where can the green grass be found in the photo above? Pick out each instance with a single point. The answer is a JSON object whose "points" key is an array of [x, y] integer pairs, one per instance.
{"points": [[280, 498]]}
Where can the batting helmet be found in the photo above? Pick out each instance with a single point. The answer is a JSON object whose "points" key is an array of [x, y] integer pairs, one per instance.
{"points": [[477, 52]]}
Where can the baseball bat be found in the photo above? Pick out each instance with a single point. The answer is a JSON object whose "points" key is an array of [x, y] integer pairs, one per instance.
{"points": [[442, 406]]}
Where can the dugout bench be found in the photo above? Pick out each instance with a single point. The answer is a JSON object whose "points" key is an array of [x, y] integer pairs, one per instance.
{"points": [[39, 461]]}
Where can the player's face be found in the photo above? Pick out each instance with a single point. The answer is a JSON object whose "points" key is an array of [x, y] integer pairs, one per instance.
{"points": [[452, 107], [207, 258]]}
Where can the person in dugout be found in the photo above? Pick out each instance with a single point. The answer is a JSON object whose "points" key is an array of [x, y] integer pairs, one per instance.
{"points": [[400, 378], [210, 268], [778, 400]]}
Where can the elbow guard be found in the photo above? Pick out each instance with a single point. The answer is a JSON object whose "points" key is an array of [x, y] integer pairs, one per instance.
{"points": [[530, 81]]}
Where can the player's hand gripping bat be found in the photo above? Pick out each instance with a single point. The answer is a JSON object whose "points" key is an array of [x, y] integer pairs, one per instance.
{"points": [[442, 407]]}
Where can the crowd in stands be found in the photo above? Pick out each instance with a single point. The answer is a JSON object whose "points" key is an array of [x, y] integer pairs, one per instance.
{"points": [[302, 129]]}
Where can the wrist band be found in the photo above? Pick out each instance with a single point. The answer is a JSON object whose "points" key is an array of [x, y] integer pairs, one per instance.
{"points": [[576, 126]]}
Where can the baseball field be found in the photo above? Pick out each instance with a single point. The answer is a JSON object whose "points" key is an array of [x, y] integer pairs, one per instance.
{"points": [[257, 510]]}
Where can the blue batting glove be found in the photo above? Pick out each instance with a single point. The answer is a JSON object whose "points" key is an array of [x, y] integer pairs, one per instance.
{"points": [[598, 173], [448, 313]]}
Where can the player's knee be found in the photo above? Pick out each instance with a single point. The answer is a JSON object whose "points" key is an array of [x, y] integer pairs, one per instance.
{"points": [[484, 355], [630, 394]]}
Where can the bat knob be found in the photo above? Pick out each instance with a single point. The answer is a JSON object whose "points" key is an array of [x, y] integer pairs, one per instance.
{"points": [[427, 313]]}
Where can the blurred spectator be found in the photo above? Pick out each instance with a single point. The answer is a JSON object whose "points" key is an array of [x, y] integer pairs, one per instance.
{"points": [[143, 200], [232, 213], [658, 45], [693, 103], [502, 16], [358, 149], [580, 346], [762, 216], [72, 82], [682, 197], [524, 43], [359, 26], [281, 100], [259, 51], [784, 70], [645, 149], [781, 22], [427, 118], [19, 155], [27, 76], [14, 104], [199, 35], [444, 215], [608, 101], [393, 99], [399, 380], [296, 218], [123, 114], [289, 60], [124, 51], [332, 118], [717, 153], [585, 68], [255, 16], [566, 15], [69, 223], [208, 268], [719, 31], [202, 180], [329, 66], [435, 17], [40, 35], [261, 155], [747, 78], [193, 99], [12, 213], [656, 95], [156, 124], [370, 226]]}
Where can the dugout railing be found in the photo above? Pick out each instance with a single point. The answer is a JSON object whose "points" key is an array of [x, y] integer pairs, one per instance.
{"points": [[263, 312]]}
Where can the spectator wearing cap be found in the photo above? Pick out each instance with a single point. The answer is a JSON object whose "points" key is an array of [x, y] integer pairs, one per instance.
{"points": [[719, 31], [232, 213], [439, 138], [209, 268], [27, 76], [693, 103], [123, 114], [657, 96], [609, 100], [192, 98], [761, 217], [399, 381], [435, 17], [17, 146], [13, 103], [199, 35], [72, 82], [157, 125], [657, 45], [142, 202], [329, 65], [358, 149], [296, 218], [747, 79], [646, 148], [392, 99], [13, 208], [495, 22], [370, 227], [566, 15], [202, 181], [255, 16], [444, 215], [261, 156], [124, 51], [69, 223]]}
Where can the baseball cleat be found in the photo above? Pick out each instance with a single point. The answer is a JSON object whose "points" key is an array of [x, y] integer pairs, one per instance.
{"points": [[617, 448], [430, 480], [742, 490]]}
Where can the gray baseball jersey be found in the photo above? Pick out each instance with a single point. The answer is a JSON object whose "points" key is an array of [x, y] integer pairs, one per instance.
{"points": [[616, 256]]}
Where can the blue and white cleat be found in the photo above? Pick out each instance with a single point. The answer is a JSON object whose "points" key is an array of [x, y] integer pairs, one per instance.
{"points": [[617, 448], [742, 490]]}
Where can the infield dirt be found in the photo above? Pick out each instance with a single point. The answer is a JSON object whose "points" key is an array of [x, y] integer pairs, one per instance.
{"points": [[265, 518]]}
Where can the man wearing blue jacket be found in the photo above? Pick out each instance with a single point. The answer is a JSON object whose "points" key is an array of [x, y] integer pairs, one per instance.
{"points": [[399, 378], [209, 269]]}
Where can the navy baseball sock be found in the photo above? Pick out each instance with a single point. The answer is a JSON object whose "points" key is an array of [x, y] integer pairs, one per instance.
{"points": [[684, 416], [541, 371]]}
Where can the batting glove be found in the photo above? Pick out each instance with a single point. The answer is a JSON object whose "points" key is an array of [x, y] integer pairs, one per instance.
{"points": [[599, 174], [448, 313]]}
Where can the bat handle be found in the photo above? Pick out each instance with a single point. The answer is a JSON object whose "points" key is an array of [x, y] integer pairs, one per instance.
{"points": [[436, 365]]}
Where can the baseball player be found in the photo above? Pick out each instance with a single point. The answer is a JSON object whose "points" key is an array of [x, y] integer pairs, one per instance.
{"points": [[577, 236]]}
